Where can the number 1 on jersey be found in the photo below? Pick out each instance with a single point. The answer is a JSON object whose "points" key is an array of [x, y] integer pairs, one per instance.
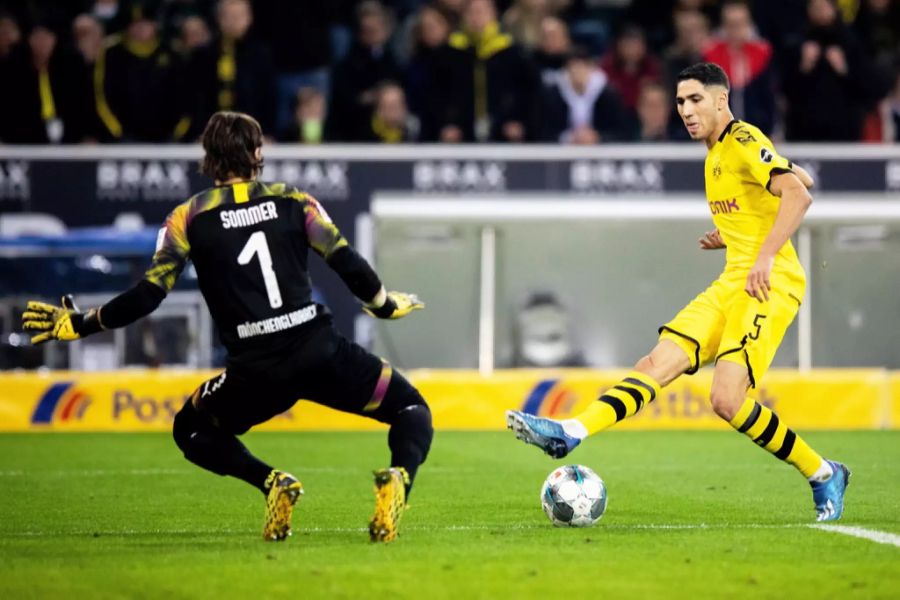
{"points": [[258, 245]]}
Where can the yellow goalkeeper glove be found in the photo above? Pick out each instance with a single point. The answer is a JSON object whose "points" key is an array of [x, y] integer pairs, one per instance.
{"points": [[396, 306], [64, 323]]}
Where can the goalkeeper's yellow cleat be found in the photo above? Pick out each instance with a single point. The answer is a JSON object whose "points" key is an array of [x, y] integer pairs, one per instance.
{"points": [[390, 502], [284, 491]]}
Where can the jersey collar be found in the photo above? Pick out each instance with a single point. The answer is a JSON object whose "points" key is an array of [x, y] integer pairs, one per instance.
{"points": [[727, 129]]}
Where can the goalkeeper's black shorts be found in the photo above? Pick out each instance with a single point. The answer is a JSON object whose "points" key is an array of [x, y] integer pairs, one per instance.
{"points": [[323, 366]]}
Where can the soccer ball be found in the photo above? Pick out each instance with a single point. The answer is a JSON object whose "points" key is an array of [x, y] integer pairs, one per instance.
{"points": [[573, 496]]}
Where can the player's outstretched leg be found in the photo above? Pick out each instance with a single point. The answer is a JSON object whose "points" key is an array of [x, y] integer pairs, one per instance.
{"points": [[207, 446], [399, 404], [637, 389], [549, 435], [828, 479], [558, 438]]}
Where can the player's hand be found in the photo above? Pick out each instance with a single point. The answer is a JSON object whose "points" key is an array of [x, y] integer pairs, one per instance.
{"points": [[402, 302], [711, 240], [53, 322], [758, 285]]}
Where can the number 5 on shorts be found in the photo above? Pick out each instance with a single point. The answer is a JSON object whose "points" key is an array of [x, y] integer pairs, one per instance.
{"points": [[756, 322]]}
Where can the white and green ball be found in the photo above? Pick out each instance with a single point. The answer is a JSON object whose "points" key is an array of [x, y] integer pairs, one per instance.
{"points": [[573, 496]]}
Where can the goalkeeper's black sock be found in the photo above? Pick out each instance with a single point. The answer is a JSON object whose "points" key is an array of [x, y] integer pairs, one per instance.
{"points": [[410, 439], [207, 446]]}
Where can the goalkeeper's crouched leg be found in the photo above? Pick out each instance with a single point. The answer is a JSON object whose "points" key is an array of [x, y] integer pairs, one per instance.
{"points": [[409, 439], [411, 431], [209, 447]]}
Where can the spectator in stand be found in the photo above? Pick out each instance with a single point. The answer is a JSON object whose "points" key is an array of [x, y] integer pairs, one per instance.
{"points": [[427, 65], [140, 93], [629, 65], [309, 118], [193, 34], [110, 14], [581, 107], [747, 60], [782, 23], [654, 109], [299, 32], [825, 84], [691, 41], [10, 35], [235, 72], [878, 26], [523, 20], [390, 122], [46, 97], [553, 49], [173, 14], [656, 17], [490, 94], [369, 62], [453, 10], [87, 33]]}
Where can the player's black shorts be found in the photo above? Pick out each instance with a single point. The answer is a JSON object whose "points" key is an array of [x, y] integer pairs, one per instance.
{"points": [[322, 366]]}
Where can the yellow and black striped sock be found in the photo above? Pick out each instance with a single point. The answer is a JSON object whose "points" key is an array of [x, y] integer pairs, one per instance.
{"points": [[764, 427], [618, 402]]}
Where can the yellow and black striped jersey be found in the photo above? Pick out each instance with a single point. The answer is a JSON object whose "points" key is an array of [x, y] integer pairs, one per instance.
{"points": [[248, 242], [738, 171]]}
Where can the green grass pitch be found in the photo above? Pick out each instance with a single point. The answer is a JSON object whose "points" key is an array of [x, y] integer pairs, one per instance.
{"points": [[691, 515]]}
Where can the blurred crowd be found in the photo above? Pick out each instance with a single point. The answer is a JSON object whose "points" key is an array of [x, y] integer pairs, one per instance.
{"points": [[566, 71]]}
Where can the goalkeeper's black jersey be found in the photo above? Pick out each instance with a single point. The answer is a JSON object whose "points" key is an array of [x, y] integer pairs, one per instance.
{"points": [[248, 242]]}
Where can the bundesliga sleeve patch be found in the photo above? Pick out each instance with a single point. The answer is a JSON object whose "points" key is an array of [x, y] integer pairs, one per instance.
{"points": [[765, 155]]}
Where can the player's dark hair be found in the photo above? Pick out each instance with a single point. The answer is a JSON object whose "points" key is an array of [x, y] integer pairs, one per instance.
{"points": [[230, 141], [706, 73]]}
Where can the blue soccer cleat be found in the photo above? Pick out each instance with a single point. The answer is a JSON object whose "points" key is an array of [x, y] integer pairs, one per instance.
{"points": [[546, 434], [829, 495]]}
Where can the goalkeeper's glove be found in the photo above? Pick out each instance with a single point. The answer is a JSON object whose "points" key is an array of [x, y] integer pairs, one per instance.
{"points": [[395, 306], [64, 323]]}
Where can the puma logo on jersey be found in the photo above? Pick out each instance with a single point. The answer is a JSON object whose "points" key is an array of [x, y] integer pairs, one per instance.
{"points": [[718, 207], [244, 217]]}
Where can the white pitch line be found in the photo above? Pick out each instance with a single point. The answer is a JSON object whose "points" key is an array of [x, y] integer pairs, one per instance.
{"points": [[873, 535]]}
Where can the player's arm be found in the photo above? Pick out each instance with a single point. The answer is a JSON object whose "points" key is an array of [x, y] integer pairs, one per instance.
{"points": [[355, 271], [804, 176], [795, 200], [762, 165], [66, 322]]}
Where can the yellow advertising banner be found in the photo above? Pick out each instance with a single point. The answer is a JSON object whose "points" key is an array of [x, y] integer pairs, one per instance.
{"points": [[147, 400]]}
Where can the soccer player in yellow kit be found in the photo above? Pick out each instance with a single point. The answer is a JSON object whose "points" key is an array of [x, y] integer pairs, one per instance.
{"points": [[757, 200]]}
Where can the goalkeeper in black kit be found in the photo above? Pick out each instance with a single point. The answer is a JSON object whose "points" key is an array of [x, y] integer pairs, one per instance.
{"points": [[248, 241]]}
